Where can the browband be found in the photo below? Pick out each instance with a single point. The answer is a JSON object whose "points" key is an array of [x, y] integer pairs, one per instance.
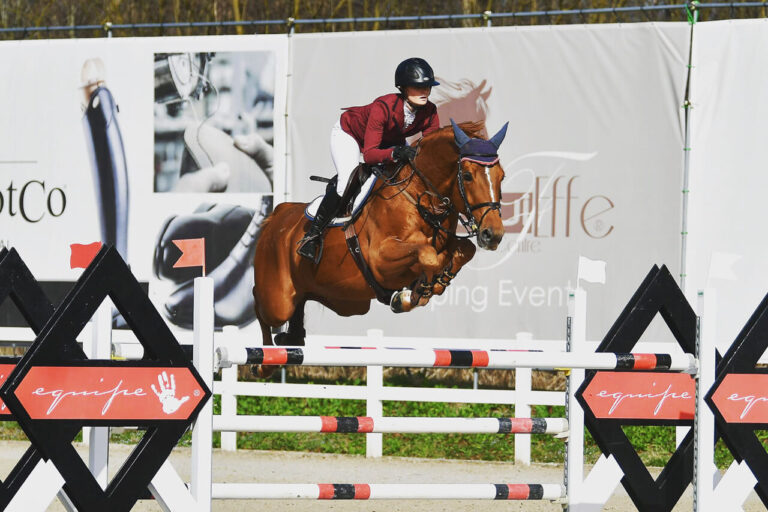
{"points": [[486, 162]]}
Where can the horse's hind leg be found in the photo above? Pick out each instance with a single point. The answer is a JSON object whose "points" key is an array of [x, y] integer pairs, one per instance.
{"points": [[296, 333]]}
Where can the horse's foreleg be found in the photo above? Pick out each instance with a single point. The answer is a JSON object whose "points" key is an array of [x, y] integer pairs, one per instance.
{"points": [[462, 251], [398, 257]]}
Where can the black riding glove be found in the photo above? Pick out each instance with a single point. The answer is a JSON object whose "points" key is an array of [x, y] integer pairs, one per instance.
{"points": [[403, 153]]}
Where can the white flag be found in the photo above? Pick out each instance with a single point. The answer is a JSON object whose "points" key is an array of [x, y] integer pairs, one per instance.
{"points": [[591, 271], [721, 266]]}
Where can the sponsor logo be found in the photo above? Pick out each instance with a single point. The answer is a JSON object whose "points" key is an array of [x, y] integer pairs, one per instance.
{"points": [[622, 395], [742, 398], [554, 208], [32, 201], [109, 393]]}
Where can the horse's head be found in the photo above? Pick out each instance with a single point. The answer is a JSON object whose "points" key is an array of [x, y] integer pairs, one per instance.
{"points": [[479, 183]]}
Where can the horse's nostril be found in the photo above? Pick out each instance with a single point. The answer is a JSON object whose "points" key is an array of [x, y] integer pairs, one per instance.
{"points": [[486, 235]]}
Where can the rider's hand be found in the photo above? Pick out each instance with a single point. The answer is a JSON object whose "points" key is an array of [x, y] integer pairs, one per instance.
{"points": [[403, 153]]}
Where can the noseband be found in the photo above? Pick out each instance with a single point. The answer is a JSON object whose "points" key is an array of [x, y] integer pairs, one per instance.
{"points": [[469, 222]]}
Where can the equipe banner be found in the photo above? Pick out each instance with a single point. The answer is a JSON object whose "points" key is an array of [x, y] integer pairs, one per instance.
{"points": [[137, 142], [726, 247], [593, 160]]}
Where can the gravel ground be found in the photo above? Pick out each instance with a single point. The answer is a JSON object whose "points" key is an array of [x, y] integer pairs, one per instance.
{"points": [[257, 466]]}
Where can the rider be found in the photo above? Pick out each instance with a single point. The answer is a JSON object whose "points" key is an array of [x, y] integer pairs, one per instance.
{"points": [[378, 131]]}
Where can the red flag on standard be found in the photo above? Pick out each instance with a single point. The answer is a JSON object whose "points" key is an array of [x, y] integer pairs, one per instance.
{"points": [[192, 253], [82, 255]]}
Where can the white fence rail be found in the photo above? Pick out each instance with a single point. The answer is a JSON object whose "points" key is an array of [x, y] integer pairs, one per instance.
{"points": [[373, 392]]}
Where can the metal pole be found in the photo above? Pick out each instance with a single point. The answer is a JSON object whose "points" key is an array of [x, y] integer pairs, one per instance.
{"points": [[487, 18], [692, 18]]}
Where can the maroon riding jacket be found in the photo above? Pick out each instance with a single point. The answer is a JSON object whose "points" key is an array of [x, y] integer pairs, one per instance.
{"points": [[377, 127]]}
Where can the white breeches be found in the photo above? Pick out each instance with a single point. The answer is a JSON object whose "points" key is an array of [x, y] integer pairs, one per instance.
{"points": [[346, 155]]}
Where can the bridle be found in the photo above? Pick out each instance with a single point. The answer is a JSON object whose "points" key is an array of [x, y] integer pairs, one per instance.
{"points": [[477, 151], [436, 219], [474, 226]]}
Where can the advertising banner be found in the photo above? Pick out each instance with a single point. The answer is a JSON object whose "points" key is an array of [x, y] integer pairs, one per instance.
{"points": [[726, 247], [593, 160], [137, 142]]}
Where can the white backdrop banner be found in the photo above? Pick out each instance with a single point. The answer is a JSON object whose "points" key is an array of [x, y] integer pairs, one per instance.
{"points": [[593, 158], [727, 247], [137, 142], [141, 141]]}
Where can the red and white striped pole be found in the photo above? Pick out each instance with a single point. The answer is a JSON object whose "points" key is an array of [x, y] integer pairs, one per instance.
{"points": [[274, 491], [436, 358], [390, 425]]}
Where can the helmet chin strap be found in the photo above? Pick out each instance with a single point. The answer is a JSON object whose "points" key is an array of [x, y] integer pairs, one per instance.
{"points": [[413, 107], [405, 99]]}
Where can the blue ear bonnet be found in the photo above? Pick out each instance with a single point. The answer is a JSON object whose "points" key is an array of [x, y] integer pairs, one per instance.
{"points": [[484, 152]]}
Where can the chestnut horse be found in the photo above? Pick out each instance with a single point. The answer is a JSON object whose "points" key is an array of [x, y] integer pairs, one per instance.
{"points": [[407, 235]]}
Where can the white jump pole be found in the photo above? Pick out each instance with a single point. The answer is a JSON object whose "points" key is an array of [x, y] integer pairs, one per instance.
{"points": [[202, 435], [575, 337], [459, 491], [228, 400], [523, 377], [711, 492], [98, 437], [433, 358], [390, 425], [374, 407], [591, 493]]}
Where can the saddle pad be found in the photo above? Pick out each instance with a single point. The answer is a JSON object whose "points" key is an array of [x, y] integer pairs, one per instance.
{"points": [[358, 203]]}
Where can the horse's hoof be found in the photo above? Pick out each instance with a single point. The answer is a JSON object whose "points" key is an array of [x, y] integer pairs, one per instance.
{"points": [[287, 339], [401, 302], [262, 372]]}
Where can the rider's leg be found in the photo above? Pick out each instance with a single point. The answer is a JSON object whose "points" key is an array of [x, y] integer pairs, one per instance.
{"points": [[311, 246], [346, 155]]}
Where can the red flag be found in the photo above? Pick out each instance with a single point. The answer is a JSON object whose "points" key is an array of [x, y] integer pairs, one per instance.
{"points": [[192, 253], [82, 254]]}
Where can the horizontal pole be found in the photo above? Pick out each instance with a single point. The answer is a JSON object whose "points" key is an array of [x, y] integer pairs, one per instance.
{"points": [[431, 358], [389, 425], [391, 393], [388, 491]]}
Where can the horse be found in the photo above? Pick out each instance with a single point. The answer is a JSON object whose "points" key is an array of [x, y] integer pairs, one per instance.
{"points": [[406, 233]]}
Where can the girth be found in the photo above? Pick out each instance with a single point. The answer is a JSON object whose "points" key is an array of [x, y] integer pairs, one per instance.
{"points": [[383, 295]]}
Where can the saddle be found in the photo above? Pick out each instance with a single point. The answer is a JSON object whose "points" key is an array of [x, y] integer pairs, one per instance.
{"points": [[355, 194]]}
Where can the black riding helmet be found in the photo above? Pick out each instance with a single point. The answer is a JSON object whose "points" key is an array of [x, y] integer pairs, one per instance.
{"points": [[415, 72]]}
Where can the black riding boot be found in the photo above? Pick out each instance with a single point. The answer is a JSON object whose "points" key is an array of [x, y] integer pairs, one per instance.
{"points": [[311, 246]]}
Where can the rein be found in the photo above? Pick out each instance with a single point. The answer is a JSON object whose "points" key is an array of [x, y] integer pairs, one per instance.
{"points": [[435, 220]]}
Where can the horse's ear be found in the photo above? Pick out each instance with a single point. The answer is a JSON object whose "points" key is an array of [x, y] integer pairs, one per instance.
{"points": [[497, 139], [459, 136]]}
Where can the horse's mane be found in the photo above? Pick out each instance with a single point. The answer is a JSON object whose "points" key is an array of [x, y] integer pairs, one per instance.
{"points": [[445, 134]]}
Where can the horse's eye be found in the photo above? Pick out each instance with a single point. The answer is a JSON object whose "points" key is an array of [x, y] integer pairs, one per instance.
{"points": [[467, 176]]}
